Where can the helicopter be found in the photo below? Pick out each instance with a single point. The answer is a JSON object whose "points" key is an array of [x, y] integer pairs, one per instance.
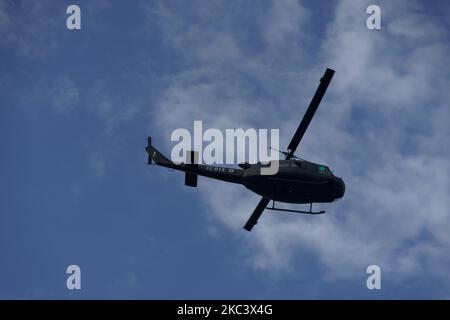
{"points": [[296, 181]]}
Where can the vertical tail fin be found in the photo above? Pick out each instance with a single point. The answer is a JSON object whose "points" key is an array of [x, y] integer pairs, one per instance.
{"points": [[156, 156]]}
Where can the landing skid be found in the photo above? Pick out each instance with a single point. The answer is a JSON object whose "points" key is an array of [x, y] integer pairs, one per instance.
{"points": [[295, 211]]}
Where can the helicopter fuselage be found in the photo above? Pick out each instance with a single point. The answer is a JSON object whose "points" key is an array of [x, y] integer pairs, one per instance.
{"points": [[295, 182]]}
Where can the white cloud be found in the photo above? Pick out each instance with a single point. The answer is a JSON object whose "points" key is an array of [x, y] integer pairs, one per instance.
{"points": [[26, 31], [112, 108], [383, 127], [98, 164], [33, 29], [5, 20], [284, 21], [64, 94], [59, 93]]}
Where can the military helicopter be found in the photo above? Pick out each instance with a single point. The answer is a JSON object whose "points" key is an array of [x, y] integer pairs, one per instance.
{"points": [[297, 180]]}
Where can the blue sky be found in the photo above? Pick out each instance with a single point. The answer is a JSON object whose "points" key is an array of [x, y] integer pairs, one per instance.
{"points": [[77, 106]]}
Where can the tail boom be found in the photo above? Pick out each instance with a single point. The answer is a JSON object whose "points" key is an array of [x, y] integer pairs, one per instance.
{"points": [[233, 175]]}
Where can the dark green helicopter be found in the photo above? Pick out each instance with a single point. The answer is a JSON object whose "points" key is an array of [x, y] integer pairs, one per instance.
{"points": [[297, 180]]}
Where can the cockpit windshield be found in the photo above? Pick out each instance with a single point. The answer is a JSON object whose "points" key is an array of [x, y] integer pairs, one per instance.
{"points": [[325, 170]]}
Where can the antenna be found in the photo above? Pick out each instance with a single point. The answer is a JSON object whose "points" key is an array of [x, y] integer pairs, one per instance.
{"points": [[293, 156]]}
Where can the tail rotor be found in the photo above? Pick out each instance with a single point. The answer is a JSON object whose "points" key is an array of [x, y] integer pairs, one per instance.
{"points": [[149, 146]]}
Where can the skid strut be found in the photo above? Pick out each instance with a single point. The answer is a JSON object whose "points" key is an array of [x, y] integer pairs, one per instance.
{"points": [[294, 211]]}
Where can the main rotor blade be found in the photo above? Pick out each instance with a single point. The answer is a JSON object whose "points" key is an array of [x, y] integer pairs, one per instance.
{"points": [[309, 114], [256, 214]]}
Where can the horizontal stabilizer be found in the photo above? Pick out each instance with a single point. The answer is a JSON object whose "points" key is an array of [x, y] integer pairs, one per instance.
{"points": [[190, 179], [192, 162]]}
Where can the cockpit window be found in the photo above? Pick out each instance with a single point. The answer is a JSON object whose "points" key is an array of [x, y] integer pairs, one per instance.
{"points": [[324, 170]]}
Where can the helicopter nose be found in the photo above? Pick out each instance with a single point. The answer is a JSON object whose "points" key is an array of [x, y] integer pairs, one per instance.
{"points": [[339, 188]]}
